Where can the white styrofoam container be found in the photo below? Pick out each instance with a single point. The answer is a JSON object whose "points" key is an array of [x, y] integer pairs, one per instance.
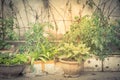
{"points": [[93, 64], [112, 63]]}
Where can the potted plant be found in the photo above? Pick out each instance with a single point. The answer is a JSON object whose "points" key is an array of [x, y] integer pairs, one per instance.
{"points": [[41, 50], [44, 59], [11, 65], [72, 57], [95, 31]]}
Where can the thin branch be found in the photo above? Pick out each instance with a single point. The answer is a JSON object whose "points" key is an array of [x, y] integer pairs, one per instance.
{"points": [[112, 11], [56, 26], [52, 6], [108, 9], [24, 4], [104, 7]]}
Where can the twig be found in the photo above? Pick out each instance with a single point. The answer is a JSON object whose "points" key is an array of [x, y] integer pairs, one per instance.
{"points": [[24, 3], [112, 11]]}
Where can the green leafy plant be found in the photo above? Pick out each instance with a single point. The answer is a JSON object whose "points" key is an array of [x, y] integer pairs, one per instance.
{"points": [[116, 27], [95, 31], [46, 54], [7, 32], [7, 29], [13, 59], [72, 52], [37, 44]]}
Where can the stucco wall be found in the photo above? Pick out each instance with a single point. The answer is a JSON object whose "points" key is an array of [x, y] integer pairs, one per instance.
{"points": [[58, 12]]}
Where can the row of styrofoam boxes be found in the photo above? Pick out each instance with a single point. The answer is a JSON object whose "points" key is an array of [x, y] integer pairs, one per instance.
{"points": [[110, 63]]}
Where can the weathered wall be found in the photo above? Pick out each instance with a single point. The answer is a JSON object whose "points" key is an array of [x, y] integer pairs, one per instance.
{"points": [[60, 13]]}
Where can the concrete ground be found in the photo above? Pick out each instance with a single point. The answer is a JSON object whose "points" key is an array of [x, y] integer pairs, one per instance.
{"points": [[83, 76]]}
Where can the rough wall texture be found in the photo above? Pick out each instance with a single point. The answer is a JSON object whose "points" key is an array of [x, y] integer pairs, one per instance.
{"points": [[60, 13]]}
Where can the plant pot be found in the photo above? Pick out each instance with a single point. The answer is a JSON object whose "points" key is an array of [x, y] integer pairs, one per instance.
{"points": [[41, 67], [11, 71], [71, 68], [49, 67]]}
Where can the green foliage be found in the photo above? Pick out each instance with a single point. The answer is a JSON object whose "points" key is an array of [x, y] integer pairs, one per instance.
{"points": [[6, 32], [13, 59], [21, 48], [72, 52], [116, 26], [37, 44], [7, 29], [94, 31], [47, 53], [2, 44]]}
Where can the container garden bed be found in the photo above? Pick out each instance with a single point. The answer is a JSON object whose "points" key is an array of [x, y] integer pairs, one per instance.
{"points": [[11, 70], [11, 65], [72, 58]]}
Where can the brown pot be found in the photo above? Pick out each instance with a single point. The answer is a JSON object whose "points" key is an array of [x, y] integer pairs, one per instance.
{"points": [[71, 68]]}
